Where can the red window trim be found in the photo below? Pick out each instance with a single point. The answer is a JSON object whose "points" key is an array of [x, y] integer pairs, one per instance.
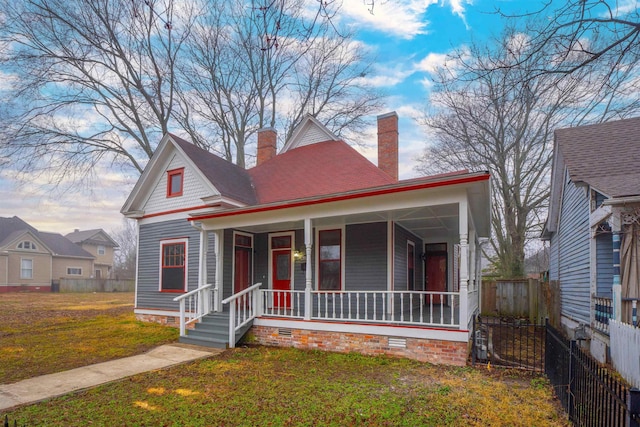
{"points": [[184, 266], [171, 174]]}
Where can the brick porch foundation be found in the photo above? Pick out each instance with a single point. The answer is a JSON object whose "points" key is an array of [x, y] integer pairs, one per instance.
{"points": [[423, 350]]}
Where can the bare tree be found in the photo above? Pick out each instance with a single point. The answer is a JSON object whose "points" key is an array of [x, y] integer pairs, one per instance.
{"points": [[487, 115], [125, 255], [597, 39], [266, 65], [93, 80]]}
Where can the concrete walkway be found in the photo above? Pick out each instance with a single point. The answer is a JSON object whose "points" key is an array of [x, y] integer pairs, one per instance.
{"points": [[40, 388]]}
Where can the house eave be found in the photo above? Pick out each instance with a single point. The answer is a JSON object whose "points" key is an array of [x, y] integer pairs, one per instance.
{"points": [[349, 195]]}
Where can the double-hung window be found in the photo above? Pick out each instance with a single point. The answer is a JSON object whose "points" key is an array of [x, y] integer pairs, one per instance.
{"points": [[330, 260], [173, 275], [26, 268]]}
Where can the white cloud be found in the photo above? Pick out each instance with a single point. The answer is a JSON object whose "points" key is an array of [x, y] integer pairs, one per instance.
{"points": [[400, 18], [432, 62], [458, 7]]}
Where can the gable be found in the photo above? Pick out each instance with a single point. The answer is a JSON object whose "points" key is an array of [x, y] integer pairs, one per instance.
{"points": [[309, 131], [193, 188], [207, 181]]}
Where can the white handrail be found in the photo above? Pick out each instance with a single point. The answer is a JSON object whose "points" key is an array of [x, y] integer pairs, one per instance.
{"points": [[248, 310], [198, 306], [241, 293]]}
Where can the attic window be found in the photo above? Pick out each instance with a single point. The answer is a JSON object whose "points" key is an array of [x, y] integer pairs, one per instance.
{"points": [[27, 245], [175, 180]]}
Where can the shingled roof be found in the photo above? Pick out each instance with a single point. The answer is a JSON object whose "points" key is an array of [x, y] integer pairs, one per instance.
{"points": [[315, 170], [11, 228], [229, 179], [606, 156]]}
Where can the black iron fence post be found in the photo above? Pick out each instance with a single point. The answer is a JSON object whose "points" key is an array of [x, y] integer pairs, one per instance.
{"points": [[633, 407]]}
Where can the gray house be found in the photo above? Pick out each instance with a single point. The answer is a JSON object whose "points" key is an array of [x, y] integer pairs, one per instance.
{"points": [[314, 247], [593, 227]]}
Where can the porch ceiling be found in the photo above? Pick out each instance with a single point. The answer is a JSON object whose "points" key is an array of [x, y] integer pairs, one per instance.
{"points": [[427, 222]]}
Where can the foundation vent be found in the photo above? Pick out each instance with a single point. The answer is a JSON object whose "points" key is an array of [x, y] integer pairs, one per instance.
{"points": [[397, 342], [284, 332]]}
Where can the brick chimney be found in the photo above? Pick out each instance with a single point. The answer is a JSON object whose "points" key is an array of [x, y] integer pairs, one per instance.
{"points": [[267, 143], [388, 143]]}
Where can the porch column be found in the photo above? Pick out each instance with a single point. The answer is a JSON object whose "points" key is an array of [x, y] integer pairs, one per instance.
{"points": [[464, 264], [617, 285], [217, 286], [202, 273], [308, 242]]}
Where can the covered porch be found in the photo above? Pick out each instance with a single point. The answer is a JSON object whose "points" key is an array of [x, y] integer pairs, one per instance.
{"points": [[392, 265]]}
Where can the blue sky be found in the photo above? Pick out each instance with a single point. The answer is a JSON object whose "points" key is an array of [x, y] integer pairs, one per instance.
{"points": [[407, 38]]}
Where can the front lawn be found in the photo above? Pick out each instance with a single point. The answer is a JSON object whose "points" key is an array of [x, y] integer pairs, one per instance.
{"points": [[43, 333], [288, 387]]}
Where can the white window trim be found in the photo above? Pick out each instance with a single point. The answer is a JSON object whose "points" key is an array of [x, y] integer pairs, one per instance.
{"points": [[21, 269], [316, 255], [32, 246], [186, 261], [104, 250], [412, 244], [233, 259], [74, 274], [292, 234]]}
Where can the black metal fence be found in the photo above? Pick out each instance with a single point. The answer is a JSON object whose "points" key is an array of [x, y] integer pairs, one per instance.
{"points": [[508, 342], [589, 393]]}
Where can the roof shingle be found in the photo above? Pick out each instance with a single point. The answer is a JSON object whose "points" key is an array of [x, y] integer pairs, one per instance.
{"points": [[318, 169], [606, 156]]}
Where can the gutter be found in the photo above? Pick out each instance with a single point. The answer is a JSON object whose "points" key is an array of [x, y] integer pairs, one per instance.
{"points": [[356, 194], [621, 200]]}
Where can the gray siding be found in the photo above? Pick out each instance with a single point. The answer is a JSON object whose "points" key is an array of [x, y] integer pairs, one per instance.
{"points": [[604, 264], [402, 236], [553, 257], [366, 257], [574, 253], [148, 294]]}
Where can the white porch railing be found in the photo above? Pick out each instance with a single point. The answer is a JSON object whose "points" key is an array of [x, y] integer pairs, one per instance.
{"points": [[280, 303], [195, 305], [439, 309], [243, 308]]}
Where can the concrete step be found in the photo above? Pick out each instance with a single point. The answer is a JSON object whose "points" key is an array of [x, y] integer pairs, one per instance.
{"points": [[213, 343], [205, 334]]}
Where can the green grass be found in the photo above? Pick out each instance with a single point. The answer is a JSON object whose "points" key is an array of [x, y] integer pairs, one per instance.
{"points": [[288, 387], [46, 333]]}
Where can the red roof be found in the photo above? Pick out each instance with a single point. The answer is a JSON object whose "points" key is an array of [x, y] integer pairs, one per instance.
{"points": [[314, 170]]}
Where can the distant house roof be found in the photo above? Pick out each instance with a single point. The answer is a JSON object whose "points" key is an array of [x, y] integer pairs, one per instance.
{"points": [[91, 237], [606, 156], [62, 246], [12, 228], [315, 170]]}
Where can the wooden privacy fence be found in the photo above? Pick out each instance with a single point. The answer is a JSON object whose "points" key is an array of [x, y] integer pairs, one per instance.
{"points": [[93, 285], [513, 298]]}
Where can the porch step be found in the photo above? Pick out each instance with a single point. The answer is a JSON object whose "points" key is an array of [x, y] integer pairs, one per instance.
{"points": [[212, 331]]}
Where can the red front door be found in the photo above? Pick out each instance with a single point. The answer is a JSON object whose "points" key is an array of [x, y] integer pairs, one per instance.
{"points": [[436, 272], [281, 277], [242, 269]]}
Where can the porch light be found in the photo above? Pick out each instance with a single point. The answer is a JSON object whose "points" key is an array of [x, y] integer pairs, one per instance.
{"points": [[299, 255]]}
